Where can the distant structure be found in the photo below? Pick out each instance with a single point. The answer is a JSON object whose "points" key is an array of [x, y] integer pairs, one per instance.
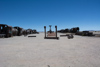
{"points": [[5, 30], [29, 31], [34, 31], [72, 30], [50, 28], [50, 31], [50, 34], [20, 30], [85, 33], [76, 31], [9, 31]]}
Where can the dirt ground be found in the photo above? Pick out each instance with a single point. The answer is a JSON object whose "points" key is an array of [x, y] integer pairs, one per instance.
{"points": [[20, 51]]}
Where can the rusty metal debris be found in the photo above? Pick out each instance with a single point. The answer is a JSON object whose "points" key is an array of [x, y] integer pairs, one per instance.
{"points": [[31, 36], [70, 36]]}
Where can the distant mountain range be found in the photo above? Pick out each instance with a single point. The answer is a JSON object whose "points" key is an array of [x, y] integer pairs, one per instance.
{"points": [[91, 30]]}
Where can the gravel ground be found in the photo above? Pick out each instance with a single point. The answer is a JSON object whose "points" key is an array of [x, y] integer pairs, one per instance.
{"points": [[20, 51]]}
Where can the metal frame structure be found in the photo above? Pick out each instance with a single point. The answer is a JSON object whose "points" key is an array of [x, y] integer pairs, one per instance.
{"points": [[50, 37]]}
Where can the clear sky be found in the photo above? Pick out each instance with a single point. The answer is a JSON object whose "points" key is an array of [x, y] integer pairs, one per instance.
{"points": [[36, 14]]}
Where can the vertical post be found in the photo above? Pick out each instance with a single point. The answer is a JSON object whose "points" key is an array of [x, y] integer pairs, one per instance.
{"points": [[45, 30], [50, 28], [56, 30], [0, 27]]}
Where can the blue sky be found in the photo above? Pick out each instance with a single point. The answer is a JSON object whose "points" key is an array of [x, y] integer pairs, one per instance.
{"points": [[36, 14]]}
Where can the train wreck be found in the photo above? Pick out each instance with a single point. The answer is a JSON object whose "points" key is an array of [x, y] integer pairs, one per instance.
{"points": [[20, 30], [72, 30], [9, 31], [84, 33], [76, 31], [34, 31], [5, 30]]}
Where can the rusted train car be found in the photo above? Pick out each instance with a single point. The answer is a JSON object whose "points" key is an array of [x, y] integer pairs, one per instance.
{"points": [[72, 30], [6, 30], [14, 31], [9, 31], [20, 31], [85, 33], [29, 31]]}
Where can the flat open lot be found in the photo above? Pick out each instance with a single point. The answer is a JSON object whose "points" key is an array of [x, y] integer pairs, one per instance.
{"points": [[20, 51]]}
